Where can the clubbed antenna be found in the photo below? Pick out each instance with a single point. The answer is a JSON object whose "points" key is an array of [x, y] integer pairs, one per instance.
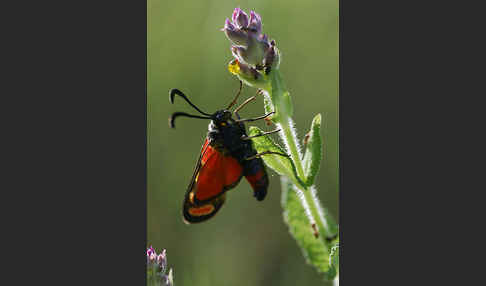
{"points": [[175, 91], [177, 114]]}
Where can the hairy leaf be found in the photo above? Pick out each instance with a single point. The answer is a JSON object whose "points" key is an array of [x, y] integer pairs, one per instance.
{"points": [[334, 255], [280, 164], [315, 250], [313, 151], [330, 227]]}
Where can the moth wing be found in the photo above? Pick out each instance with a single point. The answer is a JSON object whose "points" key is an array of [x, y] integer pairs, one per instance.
{"points": [[256, 175], [213, 176], [218, 173], [198, 213]]}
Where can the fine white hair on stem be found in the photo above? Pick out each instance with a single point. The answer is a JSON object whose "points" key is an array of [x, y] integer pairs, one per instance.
{"points": [[335, 282], [291, 124], [305, 204], [320, 210]]}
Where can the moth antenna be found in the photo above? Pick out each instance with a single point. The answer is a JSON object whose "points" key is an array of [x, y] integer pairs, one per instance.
{"points": [[173, 92], [177, 114]]}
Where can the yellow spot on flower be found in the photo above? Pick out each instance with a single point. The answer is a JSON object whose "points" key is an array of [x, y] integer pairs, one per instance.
{"points": [[234, 67]]}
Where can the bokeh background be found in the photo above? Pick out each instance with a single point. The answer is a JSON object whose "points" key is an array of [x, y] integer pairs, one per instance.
{"points": [[247, 242]]}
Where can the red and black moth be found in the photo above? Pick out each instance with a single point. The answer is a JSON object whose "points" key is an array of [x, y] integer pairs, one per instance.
{"points": [[226, 156]]}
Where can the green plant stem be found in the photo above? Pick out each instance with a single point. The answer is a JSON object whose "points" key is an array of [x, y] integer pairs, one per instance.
{"points": [[284, 109], [335, 282], [290, 140]]}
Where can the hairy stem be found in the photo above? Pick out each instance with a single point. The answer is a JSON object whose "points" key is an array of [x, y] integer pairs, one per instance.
{"points": [[335, 282], [283, 107], [291, 143]]}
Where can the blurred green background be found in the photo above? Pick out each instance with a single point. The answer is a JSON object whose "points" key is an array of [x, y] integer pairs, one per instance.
{"points": [[247, 242]]}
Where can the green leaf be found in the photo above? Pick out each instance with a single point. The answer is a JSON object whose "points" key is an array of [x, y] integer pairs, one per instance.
{"points": [[313, 151], [280, 164], [315, 250], [330, 227], [334, 255]]}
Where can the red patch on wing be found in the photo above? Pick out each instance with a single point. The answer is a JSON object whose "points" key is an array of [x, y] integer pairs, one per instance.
{"points": [[199, 211], [256, 180], [217, 172]]}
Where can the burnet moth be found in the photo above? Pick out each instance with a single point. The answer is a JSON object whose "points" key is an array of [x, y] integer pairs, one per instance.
{"points": [[226, 156]]}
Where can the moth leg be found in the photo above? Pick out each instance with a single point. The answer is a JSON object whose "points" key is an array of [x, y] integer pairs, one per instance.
{"points": [[263, 134], [244, 103], [266, 153], [237, 95], [256, 118], [259, 91]]}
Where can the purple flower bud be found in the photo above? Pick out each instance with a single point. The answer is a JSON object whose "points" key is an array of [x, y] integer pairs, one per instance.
{"points": [[235, 13], [240, 18], [150, 250], [228, 25], [270, 56], [263, 38], [162, 261], [152, 257], [255, 22], [157, 267], [237, 36]]}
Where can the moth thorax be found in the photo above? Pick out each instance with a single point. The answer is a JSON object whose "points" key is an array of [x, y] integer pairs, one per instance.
{"points": [[212, 127], [219, 146]]}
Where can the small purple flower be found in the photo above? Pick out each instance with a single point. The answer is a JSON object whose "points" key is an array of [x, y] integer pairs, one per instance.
{"points": [[151, 255], [150, 250], [162, 261], [237, 36], [270, 56], [253, 50], [153, 258], [157, 267]]}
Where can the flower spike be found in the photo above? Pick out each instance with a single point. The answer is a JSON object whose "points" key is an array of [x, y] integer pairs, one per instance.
{"points": [[255, 54]]}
